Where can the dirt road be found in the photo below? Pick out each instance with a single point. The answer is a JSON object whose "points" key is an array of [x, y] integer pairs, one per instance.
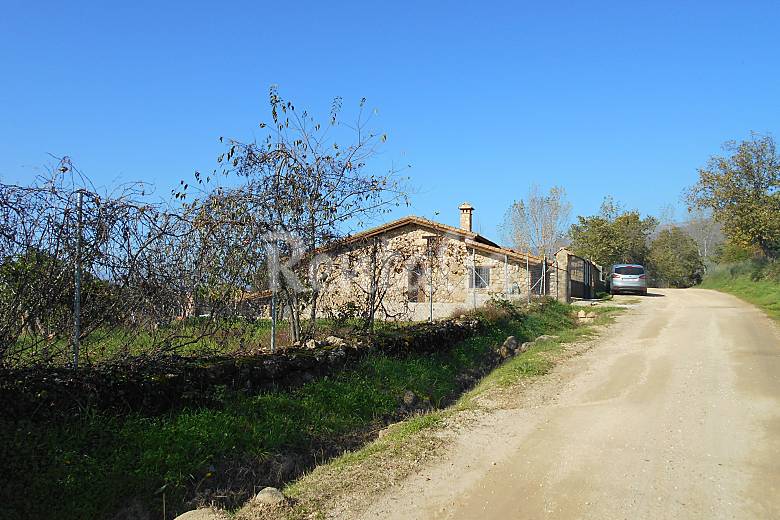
{"points": [[675, 414]]}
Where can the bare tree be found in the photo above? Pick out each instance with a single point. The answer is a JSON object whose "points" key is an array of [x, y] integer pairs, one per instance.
{"points": [[143, 266], [707, 233], [302, 181], [539, 222], [381, 277], [147, 266], [60, 230], [375, 268]]}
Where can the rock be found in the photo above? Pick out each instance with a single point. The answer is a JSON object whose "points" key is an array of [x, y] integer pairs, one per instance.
{"points": [[591, 314], [545, 337], [269, 496], [409, 398], [510, 343], [337, 354], [582, 314], [525, 346], [505, 352], [203, 514], [335, 341], [311, 344]]}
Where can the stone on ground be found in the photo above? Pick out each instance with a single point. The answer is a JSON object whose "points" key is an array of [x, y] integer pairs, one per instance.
{"points": [[335, 341], [269, 496], [510, 343], [203, 514]]}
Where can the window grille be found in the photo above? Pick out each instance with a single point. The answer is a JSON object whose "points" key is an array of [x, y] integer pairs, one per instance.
{"points": [[479, 277]]}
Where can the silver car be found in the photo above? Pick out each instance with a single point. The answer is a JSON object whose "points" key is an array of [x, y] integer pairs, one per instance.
{"points": [[625, 278]]}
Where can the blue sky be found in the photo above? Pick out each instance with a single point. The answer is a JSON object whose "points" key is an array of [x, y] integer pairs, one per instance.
{"points": [[481, 98]]}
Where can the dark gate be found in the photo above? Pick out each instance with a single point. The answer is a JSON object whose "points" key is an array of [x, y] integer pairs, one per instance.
{"points": [[580, 276]]}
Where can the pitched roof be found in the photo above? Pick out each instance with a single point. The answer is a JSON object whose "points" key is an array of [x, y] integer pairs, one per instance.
{"points": [[474, 240], [471, 239]]}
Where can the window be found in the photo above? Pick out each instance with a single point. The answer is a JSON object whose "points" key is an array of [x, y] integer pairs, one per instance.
{"points": [[479, 277], [630, 269], [414, 291]]}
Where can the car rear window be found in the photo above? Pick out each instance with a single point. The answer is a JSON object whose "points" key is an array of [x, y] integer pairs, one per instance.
{"points": [[630, 269]]}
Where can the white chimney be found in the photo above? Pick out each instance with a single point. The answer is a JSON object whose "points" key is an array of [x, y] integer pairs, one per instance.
{"points": [[466, 211]]}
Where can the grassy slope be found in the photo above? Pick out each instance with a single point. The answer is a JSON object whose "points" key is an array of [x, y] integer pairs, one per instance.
{"points": [[409, 442], [752, 282], [89, 466]]}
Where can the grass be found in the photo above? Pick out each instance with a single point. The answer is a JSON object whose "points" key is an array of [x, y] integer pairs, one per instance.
{"points": [[90, 466], [193, 337], [757, 282]]}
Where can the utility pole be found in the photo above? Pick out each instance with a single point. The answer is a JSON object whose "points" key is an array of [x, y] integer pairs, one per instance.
{"points": [[77, 278]]}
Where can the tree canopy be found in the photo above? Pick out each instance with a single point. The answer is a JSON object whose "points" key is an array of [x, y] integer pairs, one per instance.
{"points": [[673, 259], [742, 188], [613, 236]]}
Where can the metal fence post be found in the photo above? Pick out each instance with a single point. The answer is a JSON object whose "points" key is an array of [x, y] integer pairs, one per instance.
{"points": [[428, 240], [474, 276], [274, 282], [77, 284], [273, 321], [430, 285], [506, 277], [528, 276]]}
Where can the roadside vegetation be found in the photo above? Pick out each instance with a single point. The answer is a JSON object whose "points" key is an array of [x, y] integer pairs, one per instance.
{"points": [[92, 465], [755, 281], [406, 444], [742, 191]]}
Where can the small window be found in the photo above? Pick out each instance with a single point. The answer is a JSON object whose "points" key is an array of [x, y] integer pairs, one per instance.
{"points": [[414, 291], [630, 269], [479, 277]]}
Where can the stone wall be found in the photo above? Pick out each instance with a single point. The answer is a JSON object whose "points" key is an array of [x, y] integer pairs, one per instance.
{"points": [[397, 254], [156, 384], [563, 280]]}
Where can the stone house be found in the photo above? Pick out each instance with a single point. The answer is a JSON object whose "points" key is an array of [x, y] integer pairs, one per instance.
{"points": [[412, 267]]}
